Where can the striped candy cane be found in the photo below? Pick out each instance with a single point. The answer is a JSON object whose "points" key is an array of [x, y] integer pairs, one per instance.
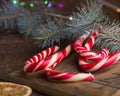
{"points": [[98, 65], [51, 61], [99, 61], [68, 76], [38, 57], [85, 50], [79, 43], [64, 54], [78, 46], [90, 42], [95, 56]]}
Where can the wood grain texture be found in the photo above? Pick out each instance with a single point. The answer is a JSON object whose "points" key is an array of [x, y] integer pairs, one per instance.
{"points": [[15, 51], [99, 87]]}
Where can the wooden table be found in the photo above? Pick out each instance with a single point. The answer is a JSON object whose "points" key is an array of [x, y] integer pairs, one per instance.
{"points": [[14, 51]]}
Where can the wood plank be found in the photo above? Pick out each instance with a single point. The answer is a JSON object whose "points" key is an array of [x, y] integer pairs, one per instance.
{"points": [[96, 88], [117, 93], [14, 54]]}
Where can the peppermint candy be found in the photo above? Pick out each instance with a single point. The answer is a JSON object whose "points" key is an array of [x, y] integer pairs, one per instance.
{"points": [[49, 63], [99, 61], [100, 64], [68, 76], [31, 64]]}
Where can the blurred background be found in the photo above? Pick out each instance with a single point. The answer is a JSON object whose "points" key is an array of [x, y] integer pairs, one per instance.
{"points": [[66, 7]]}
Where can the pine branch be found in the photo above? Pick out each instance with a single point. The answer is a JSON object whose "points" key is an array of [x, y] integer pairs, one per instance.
{"points": [[14, 16], [91, 17], [27, 22], [7, 15], [88, 18], [109, 36], [50, 33]]}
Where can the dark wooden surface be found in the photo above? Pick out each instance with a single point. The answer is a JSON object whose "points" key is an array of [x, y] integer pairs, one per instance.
{"points": [[14, 51], [106, 83]]}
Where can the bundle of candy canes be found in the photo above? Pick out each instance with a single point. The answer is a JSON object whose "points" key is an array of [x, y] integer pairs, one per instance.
{"points": [[48, 59]]}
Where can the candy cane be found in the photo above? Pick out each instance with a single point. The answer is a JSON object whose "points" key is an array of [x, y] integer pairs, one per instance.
{"points": [[90, 42], [98, 65], [95, 56], [65, 53], [67, 77], [51, 61], [79, 42], [78, 46], [41, 55], [85, 50], [99, 61]]}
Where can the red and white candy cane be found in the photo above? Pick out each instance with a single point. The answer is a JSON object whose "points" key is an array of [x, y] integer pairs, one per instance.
{"points": [[78, 46], [38, 57], [67, 76], [99, 61], [98, 65], [85, 50], [51, 61], [95, 56], [42, 55], [90, 42]]}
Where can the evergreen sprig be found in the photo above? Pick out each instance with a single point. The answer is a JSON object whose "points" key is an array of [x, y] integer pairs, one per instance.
{"points": [[8, 15], [90, 17], [109, 36], [14, 16], [87, 18], [27, 23], [51, 32]]}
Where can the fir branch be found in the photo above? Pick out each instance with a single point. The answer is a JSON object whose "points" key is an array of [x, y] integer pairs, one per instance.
{"points": [[88, 18], [27, 22], [8, 15], [59, 16], [50, 33], [109, 36], [14, 16]]}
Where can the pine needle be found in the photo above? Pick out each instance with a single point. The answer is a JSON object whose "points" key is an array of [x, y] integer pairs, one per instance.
{"points": [[8, 15], [88, 18], [14, 16], [50, 33], [109, 36]]}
